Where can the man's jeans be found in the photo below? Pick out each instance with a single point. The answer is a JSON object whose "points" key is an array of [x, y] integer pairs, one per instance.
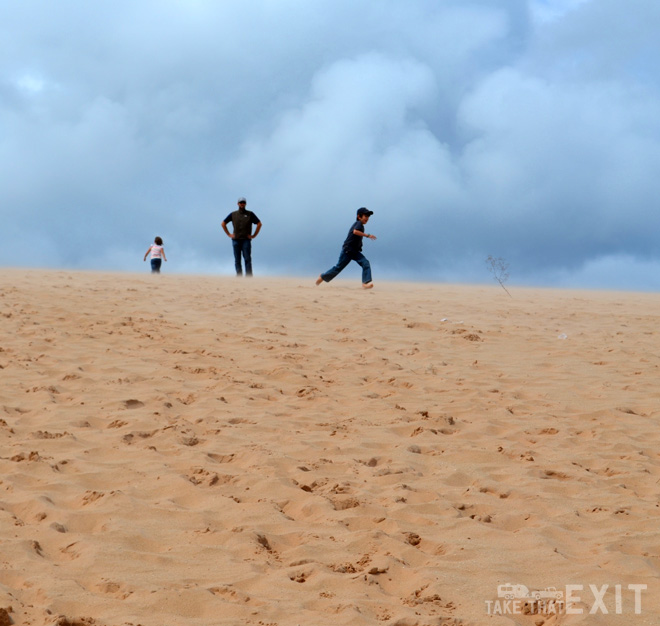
{"points": [[344, 259], [242, 247]]}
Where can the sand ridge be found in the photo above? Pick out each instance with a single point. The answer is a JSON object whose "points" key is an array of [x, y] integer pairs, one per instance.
{"points": [[208, 450]]}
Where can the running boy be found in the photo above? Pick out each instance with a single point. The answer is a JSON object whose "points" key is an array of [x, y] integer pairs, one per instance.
{"points": [[352, 251]]}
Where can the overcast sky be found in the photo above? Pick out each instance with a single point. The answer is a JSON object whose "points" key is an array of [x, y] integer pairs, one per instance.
{"points": [[522, 129]]}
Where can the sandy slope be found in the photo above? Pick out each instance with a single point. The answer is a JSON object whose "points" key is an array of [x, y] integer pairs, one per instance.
{"points": [[198, 450]]}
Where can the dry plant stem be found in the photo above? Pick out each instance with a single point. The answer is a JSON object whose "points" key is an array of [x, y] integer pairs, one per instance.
{"points": [[499, 268]]}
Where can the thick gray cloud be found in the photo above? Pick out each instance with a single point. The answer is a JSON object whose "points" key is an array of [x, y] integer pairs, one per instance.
{"points": [[526, 129]]}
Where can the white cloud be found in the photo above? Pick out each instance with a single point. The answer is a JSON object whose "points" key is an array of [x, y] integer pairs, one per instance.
{"points": [[552, 10], [30, 84]]}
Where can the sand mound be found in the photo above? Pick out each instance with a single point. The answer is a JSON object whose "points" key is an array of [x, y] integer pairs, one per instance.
{"points": [[198, 450]]}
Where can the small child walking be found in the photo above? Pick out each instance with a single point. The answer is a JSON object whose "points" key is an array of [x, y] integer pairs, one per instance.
{"points": [[157, 255], [352, 251]]}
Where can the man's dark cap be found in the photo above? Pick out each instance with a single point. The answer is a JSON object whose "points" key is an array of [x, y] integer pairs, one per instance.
{"points": [[364, 211]]}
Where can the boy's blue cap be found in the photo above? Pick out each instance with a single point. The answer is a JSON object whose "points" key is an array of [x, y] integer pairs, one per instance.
{"points": [[365, 211]]}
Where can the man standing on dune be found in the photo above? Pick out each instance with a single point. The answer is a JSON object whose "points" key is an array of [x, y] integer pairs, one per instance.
{"points": [[242, 236], [352, 251]]}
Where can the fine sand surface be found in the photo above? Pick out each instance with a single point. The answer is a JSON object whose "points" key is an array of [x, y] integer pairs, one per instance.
{"points": [[183, 450]]}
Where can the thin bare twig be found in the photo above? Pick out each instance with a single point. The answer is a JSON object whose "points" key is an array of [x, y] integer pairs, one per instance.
{"points": [[499, 268]]}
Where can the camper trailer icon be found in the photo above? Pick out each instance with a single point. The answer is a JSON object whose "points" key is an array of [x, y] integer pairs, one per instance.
{"points": [[510, 591]]}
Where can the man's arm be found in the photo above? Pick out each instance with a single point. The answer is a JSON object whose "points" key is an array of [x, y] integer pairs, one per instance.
{"points": [[224, 227], [256, 232]]}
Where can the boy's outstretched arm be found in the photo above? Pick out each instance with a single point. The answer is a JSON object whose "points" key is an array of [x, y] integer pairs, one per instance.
{"points": [[361, 234]]}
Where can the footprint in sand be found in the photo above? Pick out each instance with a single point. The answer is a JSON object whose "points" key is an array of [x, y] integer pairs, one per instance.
{"points": [[70, 551], [66, 621], [92, 496], [342, 504], [5, 619], [221, 458], [133, 404], [553, 474], [230, 595], [199, 476], [299, 576], [413, 539], [115, 589]]}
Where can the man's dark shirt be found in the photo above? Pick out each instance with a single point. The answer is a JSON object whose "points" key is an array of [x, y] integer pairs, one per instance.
{"points": [[242, 221], [353, 243]]}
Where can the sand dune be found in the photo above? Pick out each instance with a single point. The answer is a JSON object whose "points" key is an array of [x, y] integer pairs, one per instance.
{"points": [[201, 450]]}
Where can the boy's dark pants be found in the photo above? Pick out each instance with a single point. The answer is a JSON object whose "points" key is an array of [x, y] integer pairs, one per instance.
{"points": [[344, 259]]}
